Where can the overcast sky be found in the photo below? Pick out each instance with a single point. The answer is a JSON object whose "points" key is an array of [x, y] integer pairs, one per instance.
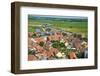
{"points": [[71, 17]]}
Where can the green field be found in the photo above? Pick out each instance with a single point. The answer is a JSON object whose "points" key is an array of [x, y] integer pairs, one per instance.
{"points": [[80, 26]]}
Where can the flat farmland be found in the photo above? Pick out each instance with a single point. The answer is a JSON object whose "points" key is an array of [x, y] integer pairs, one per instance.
{"points": [[75, 26]]}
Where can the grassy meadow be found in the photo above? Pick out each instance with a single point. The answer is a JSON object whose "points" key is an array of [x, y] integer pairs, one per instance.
{"points": [[75, 25]]}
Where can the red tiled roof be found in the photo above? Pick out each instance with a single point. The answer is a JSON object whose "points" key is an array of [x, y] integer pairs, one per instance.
{"points": [[31, 57], [72, 55]]}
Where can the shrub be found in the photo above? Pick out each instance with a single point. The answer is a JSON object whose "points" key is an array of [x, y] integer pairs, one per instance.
{"points": [[41, 43], [55, 44]]}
